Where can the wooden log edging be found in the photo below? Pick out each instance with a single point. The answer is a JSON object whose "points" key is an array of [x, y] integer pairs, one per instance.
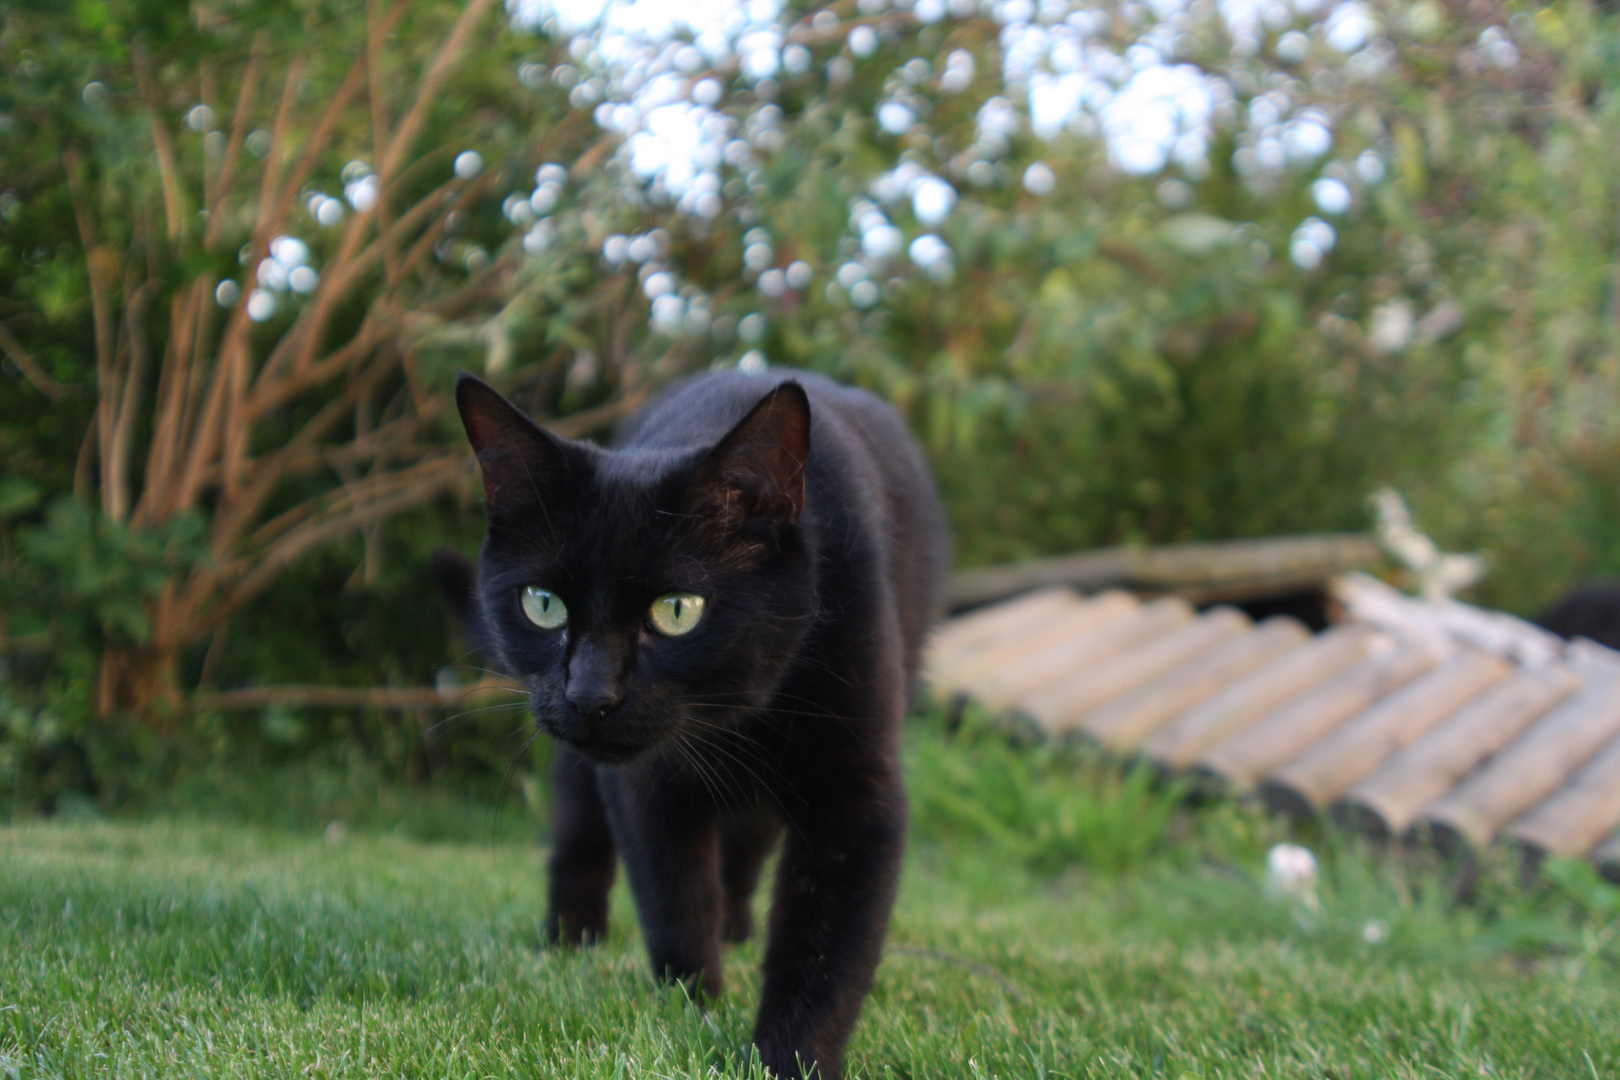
{"points": [[1386, 803], [1123, 725], [978, 629], [1409, 719], [1058, 708], [1011, 680], [1579, 814], [1322, 773], [1239, 567], [1534, 765], [1179, 743], [952, 669], [1241, 760]]}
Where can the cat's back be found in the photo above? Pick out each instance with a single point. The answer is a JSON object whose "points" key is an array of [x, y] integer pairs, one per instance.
{"points": [[870, 490]]}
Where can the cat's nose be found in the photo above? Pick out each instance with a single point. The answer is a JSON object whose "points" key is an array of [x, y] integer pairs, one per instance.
{"points": [[592, 707], [595, 685]]}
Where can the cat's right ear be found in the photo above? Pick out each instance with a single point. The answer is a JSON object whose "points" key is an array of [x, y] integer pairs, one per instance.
{"points": [[522, 463], [757, 470]]}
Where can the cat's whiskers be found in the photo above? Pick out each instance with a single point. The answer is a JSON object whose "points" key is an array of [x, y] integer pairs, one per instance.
{"points": [[735, 755], [736, 732], [746, 741], [693, 740], [517, 758], [463, 668], [691, 757], [467, 714], [770, 790], [818, 711]]}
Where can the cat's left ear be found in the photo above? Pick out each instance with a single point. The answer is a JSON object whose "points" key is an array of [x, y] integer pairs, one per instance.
{"points": [[757, 470]]}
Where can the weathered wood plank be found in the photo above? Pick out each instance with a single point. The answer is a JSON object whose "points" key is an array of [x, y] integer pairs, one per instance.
{"points": [[1388, 802], [1176, 745], [1058, 708], [1323, 772], [1534, 765], [1008, 682], [1238, 761], [1579, 814], [1282, 562], [964, 670]]}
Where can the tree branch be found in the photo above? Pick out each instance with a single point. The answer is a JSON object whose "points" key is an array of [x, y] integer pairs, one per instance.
{"points": [[95, 264], [375, 35], [117, 496], [163, 143], [427, 90], [354, 697], [355, 509], [31, 370], [241, 118]]}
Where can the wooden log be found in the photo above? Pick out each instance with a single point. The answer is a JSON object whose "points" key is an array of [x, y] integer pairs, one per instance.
{"points": [[1178, 744], [1579, 814], [1010, 681], [978, 628], [955, 640], [974, 666], [1387, 802], [1607, 858], [1238, 761], [964, 670], [1321, 774], [1122, 725], [1368, 600], [1281, 562], [1534, 765], [1058, 708]]}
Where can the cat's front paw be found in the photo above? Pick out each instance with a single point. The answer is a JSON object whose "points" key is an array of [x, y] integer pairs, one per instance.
{"points": [[784, 1063], [575, 929]]}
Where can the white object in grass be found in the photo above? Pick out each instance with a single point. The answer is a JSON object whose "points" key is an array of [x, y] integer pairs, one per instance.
{"points": [[1291, 873]]}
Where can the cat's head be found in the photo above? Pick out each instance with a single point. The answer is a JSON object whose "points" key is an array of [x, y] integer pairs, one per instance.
{"points": [[643, 596]]}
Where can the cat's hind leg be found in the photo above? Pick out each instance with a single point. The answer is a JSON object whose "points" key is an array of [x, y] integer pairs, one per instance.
{"points": [[745, 843], [582, 853]]}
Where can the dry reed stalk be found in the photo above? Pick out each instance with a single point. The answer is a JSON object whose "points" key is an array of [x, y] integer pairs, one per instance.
{"points": [[214, 389]]}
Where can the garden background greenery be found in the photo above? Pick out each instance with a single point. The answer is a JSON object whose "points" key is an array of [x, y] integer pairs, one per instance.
{"points": [[245, 247]]}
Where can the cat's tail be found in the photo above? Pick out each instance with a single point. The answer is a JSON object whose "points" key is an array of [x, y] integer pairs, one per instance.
{"points": [[458, 583]]}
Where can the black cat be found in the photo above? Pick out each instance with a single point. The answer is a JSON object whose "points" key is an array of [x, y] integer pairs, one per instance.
{"points": [[1591, 609], [720, 621]]}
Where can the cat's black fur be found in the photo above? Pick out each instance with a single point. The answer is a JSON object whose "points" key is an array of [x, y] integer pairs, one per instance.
{"points": [[1591, 609], [804, 514]]}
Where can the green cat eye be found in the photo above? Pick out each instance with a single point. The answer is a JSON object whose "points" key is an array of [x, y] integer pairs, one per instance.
{"points": [[676, 613], [544, 608]]}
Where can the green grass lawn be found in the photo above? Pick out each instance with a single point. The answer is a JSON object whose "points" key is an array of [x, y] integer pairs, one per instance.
{"points": [[195, 947]]}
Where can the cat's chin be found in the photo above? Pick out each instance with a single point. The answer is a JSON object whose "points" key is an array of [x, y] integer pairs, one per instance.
{"points": [[608, 751]]}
